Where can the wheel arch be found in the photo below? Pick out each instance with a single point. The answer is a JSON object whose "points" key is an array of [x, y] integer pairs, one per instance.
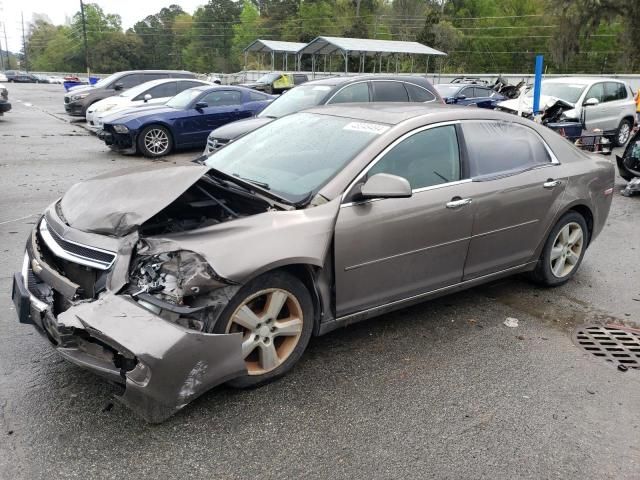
{"points": [[586, 213]]}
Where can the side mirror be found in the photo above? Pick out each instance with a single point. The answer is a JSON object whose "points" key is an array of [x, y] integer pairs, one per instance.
{"points": [[147, 97], [201, 105], [385, 185], [118, 86], [591, 102], [461, 97]]}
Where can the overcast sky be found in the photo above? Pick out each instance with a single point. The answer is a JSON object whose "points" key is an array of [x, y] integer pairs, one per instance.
{"points": [[58, 10]]}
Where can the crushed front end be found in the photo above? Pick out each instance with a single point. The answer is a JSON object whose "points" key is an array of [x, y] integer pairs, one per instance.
{"points": [[159, 351]]}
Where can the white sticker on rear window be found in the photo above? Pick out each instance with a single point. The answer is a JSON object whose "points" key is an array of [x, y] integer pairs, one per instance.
{"points": [[366, 127]]}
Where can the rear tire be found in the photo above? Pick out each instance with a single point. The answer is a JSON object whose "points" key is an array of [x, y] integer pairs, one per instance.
{"points": [[563, 251], [155, 141], [623, 133], [274, 313]]}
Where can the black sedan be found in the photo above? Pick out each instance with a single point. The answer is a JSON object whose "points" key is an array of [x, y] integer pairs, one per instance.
{"points": [[15, 76]]}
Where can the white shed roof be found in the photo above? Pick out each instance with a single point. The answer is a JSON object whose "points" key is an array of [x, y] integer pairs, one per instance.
{"points": [[326, 45], [274, 46]]}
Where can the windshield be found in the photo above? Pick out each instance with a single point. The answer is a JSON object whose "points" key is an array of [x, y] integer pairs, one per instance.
{"points": [[292, 156], [569, 92], [106, 81], [296, 99], [268, 78], [184, 98], [447, 90]]}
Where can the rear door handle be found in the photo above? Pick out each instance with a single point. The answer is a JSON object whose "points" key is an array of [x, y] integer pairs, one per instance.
{"points": [[551, 183], [457, 202]]}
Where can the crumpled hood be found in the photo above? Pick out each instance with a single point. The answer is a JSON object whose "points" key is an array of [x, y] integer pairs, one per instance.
{"points": [[118, 202], [546, 101]]}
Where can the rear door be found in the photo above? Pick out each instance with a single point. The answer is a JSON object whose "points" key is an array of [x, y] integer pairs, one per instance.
{"points": [[389, 249], [516, 190]]}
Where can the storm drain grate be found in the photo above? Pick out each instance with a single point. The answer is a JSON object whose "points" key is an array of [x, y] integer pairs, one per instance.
{"points": [[617, 344]]}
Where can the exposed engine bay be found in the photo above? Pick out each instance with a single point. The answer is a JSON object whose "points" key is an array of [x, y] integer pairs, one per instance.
{"points": [[204, 204]]}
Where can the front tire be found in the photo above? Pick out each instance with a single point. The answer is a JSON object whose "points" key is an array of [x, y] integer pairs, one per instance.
{"points": [[623, 133], [274, 314], [563, 251], [155, 141]]}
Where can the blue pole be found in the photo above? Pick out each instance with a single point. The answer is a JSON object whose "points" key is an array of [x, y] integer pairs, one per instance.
{"points": [[537, 84]]}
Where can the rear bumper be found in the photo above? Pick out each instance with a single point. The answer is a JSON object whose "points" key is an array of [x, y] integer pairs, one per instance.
{"points": [[162, 365]]}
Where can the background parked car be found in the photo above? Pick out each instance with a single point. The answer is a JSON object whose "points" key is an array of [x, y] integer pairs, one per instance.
{"points": [[469, 94], [5, 106], [56, 79], [3, 77], [39, 78], [15, 76], [599, 103], [364, 88], [183, 122], [79, 98], [277, 82], [155, 92]]}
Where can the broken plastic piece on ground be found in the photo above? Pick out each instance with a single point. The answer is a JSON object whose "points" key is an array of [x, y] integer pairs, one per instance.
{"points": [[511, 322]]}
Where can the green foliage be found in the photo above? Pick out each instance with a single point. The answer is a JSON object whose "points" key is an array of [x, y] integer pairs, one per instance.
{"points": [[497, 36]]}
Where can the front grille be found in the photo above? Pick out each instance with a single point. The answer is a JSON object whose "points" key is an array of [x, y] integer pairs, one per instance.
{"points": [[214, 144], [75, 252]]}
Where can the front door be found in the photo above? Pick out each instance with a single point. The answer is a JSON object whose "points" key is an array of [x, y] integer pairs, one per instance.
{"points": [[516, 193], [391, 249], [223, 106]]}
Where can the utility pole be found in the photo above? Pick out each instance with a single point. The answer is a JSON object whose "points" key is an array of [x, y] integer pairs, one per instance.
{"points": [[2, 59], [84, 34], [6, 45], [24, 44]]}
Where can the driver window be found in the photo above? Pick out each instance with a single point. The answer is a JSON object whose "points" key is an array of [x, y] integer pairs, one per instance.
{"points": [[597, 92], [222, 98], [358, 92], [427, 158]]}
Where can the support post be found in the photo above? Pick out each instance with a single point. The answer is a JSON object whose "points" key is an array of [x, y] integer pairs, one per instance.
{"points": [[346, 62], [537, 84], [273, 60], [24, 44], [246, 55], [84, 34]]}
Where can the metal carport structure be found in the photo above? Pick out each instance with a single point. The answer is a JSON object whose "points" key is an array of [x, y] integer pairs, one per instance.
{"points": [[362, 48], [272, 47]]}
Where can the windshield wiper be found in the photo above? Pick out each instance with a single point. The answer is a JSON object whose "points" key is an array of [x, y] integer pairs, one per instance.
{"points": [[254, 182]]}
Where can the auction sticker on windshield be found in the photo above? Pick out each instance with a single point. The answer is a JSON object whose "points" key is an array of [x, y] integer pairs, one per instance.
{"points": [[366, 127]]}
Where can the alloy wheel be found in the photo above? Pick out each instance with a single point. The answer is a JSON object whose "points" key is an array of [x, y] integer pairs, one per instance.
{"points": [[566, 250], [623, 133], [156, 141], [271, 324]]}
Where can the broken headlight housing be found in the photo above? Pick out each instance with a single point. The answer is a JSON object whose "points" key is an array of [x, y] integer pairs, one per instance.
{"points": [[173, 276]]}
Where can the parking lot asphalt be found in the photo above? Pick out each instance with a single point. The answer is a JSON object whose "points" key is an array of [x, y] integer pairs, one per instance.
{"points": [[439, 390]]}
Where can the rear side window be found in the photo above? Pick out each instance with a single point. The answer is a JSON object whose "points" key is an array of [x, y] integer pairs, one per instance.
{"points": [[614, 91], [389, 92], [497, 148], [419, 94], [129, 81], [223, 98], [358, 92], [257, 97], [298, 79], [427, 158]]}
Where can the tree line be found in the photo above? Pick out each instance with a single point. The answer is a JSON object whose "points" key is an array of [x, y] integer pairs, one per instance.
{"points": [[576, 36]]}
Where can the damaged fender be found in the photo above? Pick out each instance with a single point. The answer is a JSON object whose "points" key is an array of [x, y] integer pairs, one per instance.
{"points": [[285, 238], [174, 365]]}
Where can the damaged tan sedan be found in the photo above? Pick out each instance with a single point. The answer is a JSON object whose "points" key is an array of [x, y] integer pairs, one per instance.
{"points": [[171, 280]]}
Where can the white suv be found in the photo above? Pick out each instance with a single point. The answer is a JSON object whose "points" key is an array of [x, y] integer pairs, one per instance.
{"points": [[602, 103]]}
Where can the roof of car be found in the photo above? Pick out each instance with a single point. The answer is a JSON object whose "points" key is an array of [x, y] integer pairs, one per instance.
{"points": [[582, 80], [339, 80], [155, 71], [395, 113]]}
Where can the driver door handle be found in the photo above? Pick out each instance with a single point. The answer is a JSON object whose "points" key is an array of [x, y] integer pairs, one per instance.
{"points": [[457, 202], [551, 183]]}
